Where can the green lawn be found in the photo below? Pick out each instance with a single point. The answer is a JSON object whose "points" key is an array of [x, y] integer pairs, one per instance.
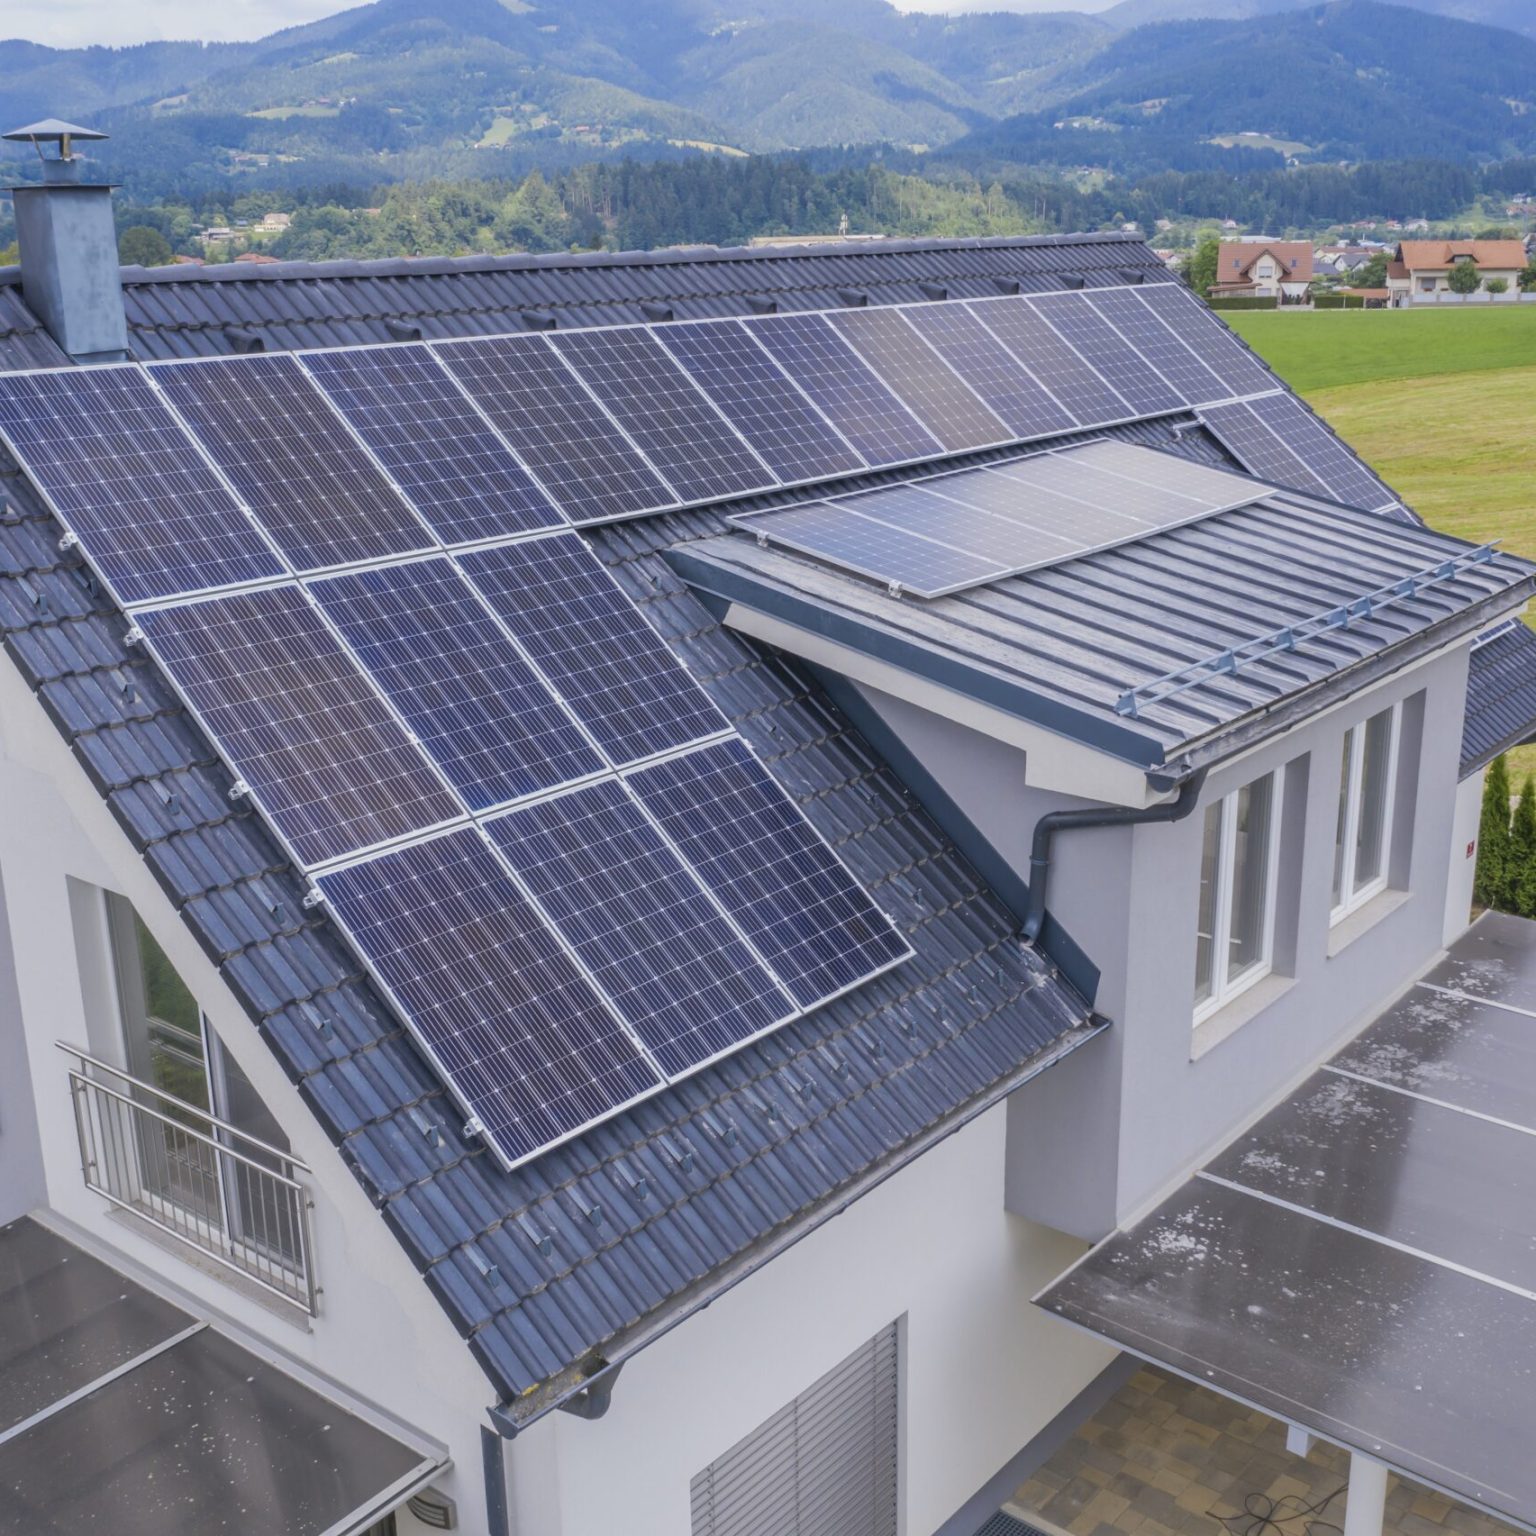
{"points": [[1322, 349], [1441, 402]]}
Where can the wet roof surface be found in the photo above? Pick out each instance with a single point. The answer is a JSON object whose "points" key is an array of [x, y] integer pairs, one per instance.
{"points": [[1360, 1262], [177, 1426]]}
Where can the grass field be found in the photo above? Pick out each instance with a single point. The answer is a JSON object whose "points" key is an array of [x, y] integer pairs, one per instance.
{"points": [[1327, 348], [1441, 402]]}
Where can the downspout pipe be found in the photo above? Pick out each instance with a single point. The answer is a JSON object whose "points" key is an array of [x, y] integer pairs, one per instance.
{"points": [[1114, 816]]}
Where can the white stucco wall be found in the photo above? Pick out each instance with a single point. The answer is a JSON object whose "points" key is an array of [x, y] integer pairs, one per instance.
{"points": [[380, 1334], [984, 1371], [1463, 855]]}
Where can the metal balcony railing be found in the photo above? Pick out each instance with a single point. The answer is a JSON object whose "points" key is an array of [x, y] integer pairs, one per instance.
{"points": [[235, 1199]]}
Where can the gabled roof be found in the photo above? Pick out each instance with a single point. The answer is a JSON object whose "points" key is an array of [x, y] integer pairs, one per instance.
{"points": [[596, 1246], [1440, 255], [1239, 257]]}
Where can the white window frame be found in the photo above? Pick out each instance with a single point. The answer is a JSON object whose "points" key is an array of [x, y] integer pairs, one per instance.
{"points": [[1351, 900], [1223, 989]]}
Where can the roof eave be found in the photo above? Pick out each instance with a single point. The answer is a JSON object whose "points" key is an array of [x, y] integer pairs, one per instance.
{"points": [[511, 1418]]}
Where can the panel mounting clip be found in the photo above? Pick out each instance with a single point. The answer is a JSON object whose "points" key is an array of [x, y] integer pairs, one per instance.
{"points": [[239, 790], [135, 636], [313, 898], [69, 541]]}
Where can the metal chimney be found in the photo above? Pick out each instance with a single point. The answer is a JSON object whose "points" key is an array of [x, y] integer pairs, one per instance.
{"points": [[69, 266]]}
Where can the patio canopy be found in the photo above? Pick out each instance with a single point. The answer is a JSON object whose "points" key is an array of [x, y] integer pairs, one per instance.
{"points": [[1362, 1263], [121, 1413]]}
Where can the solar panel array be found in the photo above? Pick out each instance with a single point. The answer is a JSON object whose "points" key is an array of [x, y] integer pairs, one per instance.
{"points": [[357, 566], [946, 532], [1279, 438]]}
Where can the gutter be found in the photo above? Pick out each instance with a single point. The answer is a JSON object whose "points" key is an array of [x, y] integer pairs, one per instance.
{"points": [[1113, 816]]}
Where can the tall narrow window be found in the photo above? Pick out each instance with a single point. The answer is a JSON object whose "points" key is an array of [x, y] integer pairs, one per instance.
{"points": [[1234, 944], [1363, 837]]}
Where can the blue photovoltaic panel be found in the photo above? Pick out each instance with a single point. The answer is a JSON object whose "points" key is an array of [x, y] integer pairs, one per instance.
{"points": [[314, 489], [1343, 476], [571, 444], [1258, 449], [844, 389], [837, 531], [129, 483], [1159, 344], [524, 1040], [792, 436], [939, 510], [1205, 335], [611, 668], [1028, 409], [654, 943], [934, 392], [475, 705], [676, 427], [455, 469], [300, 724], [786, 889], [1104, 349], [1016, 323]]}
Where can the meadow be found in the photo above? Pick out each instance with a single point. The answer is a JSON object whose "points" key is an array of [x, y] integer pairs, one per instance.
{"points": [[1441, 402]]}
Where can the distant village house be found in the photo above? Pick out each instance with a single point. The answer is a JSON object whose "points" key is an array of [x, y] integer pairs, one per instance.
{"points": [[1265, 269], [1421, 268]]}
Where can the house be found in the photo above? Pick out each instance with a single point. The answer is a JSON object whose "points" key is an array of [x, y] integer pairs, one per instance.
{"points": [[274, 223], [1268, 269], [1421, 269], [971, 639]]}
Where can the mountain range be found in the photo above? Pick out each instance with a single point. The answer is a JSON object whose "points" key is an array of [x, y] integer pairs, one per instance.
{"points": [[406, 88]]}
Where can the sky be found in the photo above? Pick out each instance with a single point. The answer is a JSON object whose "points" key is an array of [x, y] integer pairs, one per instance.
{"points": [[79, 23]]}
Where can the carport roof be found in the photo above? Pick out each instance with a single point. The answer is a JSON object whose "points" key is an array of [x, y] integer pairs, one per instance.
{"points": [[122, 1412], [1360, 1262]]}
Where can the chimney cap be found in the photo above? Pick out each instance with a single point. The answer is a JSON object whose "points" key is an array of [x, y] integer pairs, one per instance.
{"points": [[51, 130]]}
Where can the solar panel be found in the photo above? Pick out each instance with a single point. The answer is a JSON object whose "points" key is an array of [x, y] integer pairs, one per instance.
{"points": [[126, 479], [792, 436], [950, 521], [782, 885], [321, 752], [657, 947], [313, 488], [475, 705], [1345, 478], [611, 668], [1016, 324], [654, 401], [1203, 333], [1024, 404], [557, 429], [1101, 346], [1258, 449], [1158, 343], [952, 531], [844, 389], [934, 392], [839, 533], [457, 472], [515, 1028]]}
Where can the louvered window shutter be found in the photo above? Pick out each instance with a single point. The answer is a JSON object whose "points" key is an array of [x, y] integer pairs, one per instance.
{"points": [[824, 1465]]}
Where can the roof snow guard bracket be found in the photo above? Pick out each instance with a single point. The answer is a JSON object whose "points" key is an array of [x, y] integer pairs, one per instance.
{"points": [[1160, 689]]}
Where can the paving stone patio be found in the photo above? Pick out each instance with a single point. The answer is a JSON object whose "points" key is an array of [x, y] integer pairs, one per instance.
{"points": [[1165, 1457]]}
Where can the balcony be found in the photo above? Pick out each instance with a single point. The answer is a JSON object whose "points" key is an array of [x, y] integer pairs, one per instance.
{"points": [[234, 1199]]}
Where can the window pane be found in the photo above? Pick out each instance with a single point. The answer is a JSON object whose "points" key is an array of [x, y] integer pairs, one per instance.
{"points": [[1250, 877], [1370, 834], [1205, 926], [1343, 828]]}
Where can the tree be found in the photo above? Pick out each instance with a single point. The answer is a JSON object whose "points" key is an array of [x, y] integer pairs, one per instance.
{"points": [[1528, 279], [1521, 896], [1497, 285], [1490, 882], [1374, 273], [141, 246], [1201, 268], [1464, 278]]}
